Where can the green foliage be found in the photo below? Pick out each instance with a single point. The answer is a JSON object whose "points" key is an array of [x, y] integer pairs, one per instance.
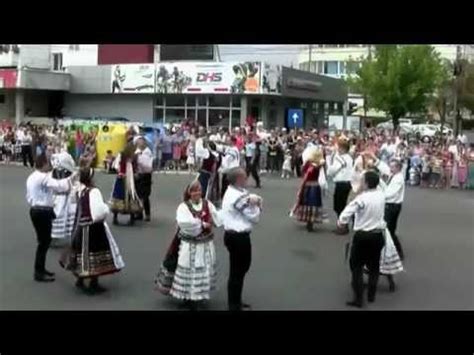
{"points": [[400, 79]]}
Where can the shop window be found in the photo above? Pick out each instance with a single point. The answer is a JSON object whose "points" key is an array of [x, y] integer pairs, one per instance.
{"points": [[201, 100], [218, 118], [174, 115], [235, 118], [174, 100], [158, 115], [159, 101], [201, 118], [236, 101], [219, 101]]}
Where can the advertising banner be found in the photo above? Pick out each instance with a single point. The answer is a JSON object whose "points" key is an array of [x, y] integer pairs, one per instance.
{"points": [[133, 78], [208, 78], [8, 78], [190, 78], [271, 79]]}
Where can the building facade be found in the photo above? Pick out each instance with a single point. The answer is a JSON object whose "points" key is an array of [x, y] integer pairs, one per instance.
{"points": [[341, 60], [135, 82]]}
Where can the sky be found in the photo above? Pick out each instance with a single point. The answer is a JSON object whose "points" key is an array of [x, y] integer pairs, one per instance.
{"points": [[284, 54]]}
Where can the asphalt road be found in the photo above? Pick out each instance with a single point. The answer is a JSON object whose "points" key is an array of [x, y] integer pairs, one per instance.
{"points": [[291, 268]]}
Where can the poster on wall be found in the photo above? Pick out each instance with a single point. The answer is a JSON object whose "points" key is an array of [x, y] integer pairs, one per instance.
{"points": [[133, 78], [236, 78], [271, 78], [8, 78], [335, 123], [353, 123]]}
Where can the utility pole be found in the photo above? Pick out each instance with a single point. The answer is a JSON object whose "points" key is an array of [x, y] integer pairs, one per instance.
{"points": [[310, 57], [457, 77]]}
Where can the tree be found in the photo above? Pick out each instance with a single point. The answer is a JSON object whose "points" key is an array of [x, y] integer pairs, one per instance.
{"points": [[400, 79], [443, 96]]}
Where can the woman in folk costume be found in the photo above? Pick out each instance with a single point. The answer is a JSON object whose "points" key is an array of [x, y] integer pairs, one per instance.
{"points": [[308, 207], [64, 203], [189, 270], [125, 199], [207, 172], [93, 251]]}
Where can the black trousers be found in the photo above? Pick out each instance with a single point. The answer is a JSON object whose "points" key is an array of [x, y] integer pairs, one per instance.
{"points": [[225, 184], [42, 219], [240, 254], [392, 212], [273, 163], [365, 251], [143, 187], [27, 155], [252, 169], [341, 193]]}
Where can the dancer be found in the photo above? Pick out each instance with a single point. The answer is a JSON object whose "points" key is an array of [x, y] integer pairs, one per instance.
{"points": [[194, 274], [368, 240], [144, 162], [240, 212], [124, 195], [40, 187], [340, 169], [64, 203], [308, 206], [230, 161], [93, 251], [207, 171]]}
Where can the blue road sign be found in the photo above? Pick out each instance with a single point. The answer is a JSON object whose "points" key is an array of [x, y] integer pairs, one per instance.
{"points": [[295, 118]]}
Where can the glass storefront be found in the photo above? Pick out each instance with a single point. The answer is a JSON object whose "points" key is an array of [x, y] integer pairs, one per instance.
{"points": [[206, 110]]}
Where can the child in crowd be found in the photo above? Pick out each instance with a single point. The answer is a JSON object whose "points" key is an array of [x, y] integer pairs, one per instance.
{"points": [[462, 171], [108, 162], [425, 170], [286, 171], [190, 160], [436, 170]]}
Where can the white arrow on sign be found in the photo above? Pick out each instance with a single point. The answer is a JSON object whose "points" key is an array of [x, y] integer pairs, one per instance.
{"points": [[295, 118]]}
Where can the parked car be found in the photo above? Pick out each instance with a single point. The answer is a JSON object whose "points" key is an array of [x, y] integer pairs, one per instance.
{"points": [[404, 125]]}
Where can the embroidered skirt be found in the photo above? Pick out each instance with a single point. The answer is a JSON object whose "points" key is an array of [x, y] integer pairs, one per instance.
{"points": [[309, 205], [93, 252], [123, 200]]}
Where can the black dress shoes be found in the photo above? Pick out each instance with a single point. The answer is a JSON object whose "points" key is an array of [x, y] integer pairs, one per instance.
{"points": [[43, 278], [356, 304], [49, 273]]}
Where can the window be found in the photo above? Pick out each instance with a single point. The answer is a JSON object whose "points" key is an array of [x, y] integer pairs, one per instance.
{"points": [[313, 67], [342, 67], [2, 99], [57, 61], [219, 101], [175, 100], [73, 47], [236, 101], [174, 115], [330, 67]]}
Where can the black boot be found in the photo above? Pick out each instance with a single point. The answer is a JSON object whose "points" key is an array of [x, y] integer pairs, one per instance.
{"points": [[94, 287], [42, 277], [80, 284], [309, 227], [115, 222], [391, 283]]}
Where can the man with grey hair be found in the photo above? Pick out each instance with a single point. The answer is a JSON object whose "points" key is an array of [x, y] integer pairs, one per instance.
{"points": [[240, 212]]}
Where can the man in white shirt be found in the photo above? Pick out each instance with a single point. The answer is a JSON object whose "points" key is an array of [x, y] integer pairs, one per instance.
{"points": [[462, 138], [368, 240], [230, 160], [143, 180], [394, 191], [40, 187], [340, 169], [240, 212], [26, 141]]}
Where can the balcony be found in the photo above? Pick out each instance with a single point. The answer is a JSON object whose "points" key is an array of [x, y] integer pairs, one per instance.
{"points": [[9, 60]]}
